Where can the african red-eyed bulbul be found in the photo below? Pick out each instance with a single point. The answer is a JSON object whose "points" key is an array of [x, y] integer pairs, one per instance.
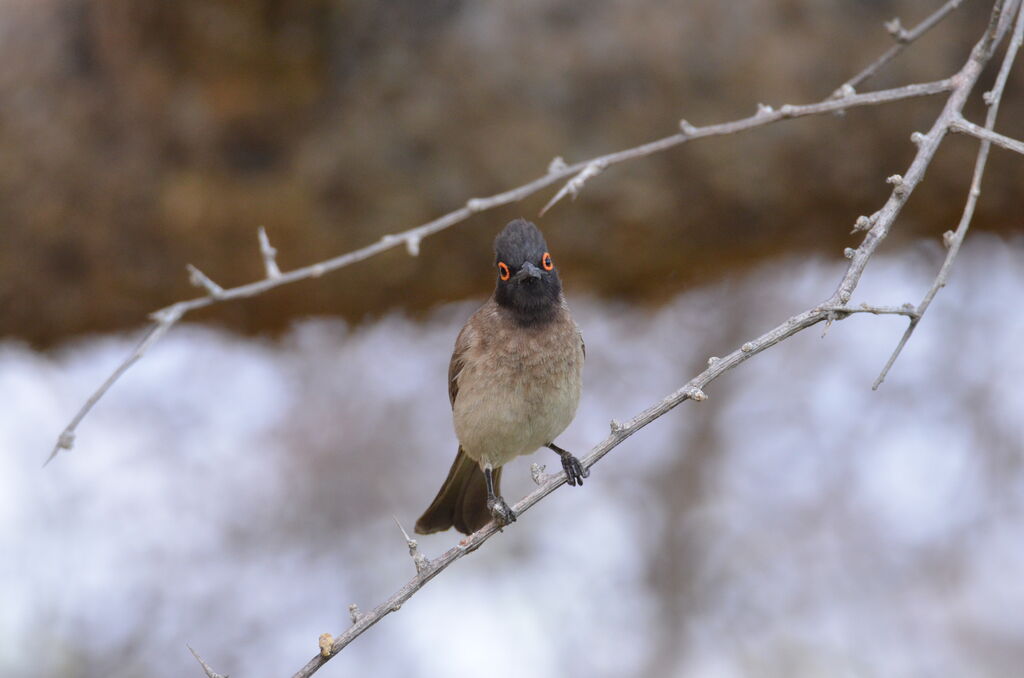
{"points": [[514, 383]]}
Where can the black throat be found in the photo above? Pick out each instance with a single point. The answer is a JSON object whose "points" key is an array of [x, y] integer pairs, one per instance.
{"points": [[531, 317], [533, 304]]}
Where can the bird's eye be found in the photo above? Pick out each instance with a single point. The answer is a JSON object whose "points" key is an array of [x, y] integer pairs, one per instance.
{"points": [[503, 271], [546, 262]]}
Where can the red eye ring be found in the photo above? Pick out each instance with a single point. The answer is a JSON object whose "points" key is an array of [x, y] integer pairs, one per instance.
{"points": [[546, 262], [503, 271]]}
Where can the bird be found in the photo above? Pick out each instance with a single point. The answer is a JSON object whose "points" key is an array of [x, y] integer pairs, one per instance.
{"points": [[514, 383]]}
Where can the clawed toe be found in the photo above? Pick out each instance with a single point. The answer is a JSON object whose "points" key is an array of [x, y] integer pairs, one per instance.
{"points": [[501, 511], [574, 471]]}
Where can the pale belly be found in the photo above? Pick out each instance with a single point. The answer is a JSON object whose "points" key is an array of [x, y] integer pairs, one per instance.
{"points": [[499, 419]]}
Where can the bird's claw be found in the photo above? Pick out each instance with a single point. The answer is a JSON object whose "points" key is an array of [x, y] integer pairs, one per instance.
{"points": [[503, 515], [574, 471]]}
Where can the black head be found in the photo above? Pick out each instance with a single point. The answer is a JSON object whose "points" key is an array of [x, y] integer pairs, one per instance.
{"points": [[528, 281]]}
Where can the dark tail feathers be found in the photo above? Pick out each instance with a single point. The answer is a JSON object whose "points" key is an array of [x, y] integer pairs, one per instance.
{"points": [[462, 501]]}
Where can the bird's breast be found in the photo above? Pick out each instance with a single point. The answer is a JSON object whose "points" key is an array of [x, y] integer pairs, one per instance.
{"points": [[518, 390]]}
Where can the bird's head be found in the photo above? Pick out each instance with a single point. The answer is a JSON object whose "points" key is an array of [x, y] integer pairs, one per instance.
{"points": [[528, 281]]}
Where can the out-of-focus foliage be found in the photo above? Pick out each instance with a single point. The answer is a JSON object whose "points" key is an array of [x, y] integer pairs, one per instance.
{"points": [[137, 136]]}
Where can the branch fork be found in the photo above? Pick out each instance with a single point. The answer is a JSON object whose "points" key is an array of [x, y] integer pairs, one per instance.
{"points": [[575, 185]]}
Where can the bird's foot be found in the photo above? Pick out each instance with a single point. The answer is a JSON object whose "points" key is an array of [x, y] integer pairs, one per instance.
{"points": [[503, 515], [574, 471]]}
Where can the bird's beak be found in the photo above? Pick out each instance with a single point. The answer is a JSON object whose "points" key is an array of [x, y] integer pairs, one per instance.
{"points": [[526, 273]]}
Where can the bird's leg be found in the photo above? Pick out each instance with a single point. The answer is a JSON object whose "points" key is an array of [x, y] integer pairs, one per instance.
{"points": [[495, 504], [574, 471]]}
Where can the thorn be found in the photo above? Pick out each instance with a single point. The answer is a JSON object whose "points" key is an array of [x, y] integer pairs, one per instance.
{"points": [[326, 643], [764, 109], [418, 559], [199, 279], [557, 166], [686, 128], [615, 426], [65, 441], [712, 360], [412, 245], [948, 238], [268, 252]]}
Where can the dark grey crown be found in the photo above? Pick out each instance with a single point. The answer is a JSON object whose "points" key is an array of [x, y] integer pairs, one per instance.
{"points": [[520, 241]]}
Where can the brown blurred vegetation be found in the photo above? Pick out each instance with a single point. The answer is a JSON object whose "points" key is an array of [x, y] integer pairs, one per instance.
{"points": [[137, 137]]}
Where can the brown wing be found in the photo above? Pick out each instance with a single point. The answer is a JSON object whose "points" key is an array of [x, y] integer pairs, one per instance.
{"points": [[458, 361]]}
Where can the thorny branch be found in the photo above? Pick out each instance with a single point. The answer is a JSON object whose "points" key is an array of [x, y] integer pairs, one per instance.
{"points": [[954, 239], [833, 308], [903, 39], [411, 238], [985, 134]]}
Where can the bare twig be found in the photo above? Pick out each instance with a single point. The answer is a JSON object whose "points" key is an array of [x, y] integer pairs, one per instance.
{"points": [[210, 673], [967, 127], [903, 39], [765, 115], [953, 241], [842, 312], [163, 321], [557, 170]]}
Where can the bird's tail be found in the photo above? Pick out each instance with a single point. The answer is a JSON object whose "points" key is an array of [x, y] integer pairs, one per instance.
{"points": [[462, 501]]}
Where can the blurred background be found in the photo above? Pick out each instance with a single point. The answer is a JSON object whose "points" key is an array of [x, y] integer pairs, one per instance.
{"points": [[235, 490]]}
